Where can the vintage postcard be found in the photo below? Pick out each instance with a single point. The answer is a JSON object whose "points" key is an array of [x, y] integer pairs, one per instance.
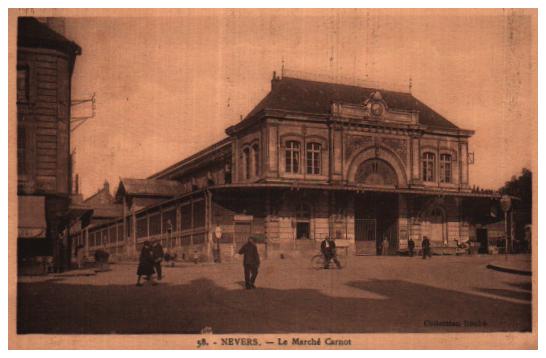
{"points": [[273, 179]]}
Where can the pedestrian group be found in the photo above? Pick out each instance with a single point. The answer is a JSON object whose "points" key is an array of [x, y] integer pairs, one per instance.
{"points": [[152, 255]]}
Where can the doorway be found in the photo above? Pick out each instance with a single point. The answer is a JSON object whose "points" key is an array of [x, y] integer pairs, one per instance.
{"points": [[365, 236], [376, 218], [481, 237], [303, 219], [302, 230]]}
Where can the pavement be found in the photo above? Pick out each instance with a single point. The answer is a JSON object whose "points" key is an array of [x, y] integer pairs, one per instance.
{"points": [[516, 264], [371, 294]]}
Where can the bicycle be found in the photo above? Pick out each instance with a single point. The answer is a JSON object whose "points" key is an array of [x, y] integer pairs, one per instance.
{"points": [[318, 262]]}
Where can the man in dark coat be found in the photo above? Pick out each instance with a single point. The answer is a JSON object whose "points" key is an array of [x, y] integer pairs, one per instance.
{"points": [[426, 248], [328, 249], [411, 246], [157, 250], [251, 262]]}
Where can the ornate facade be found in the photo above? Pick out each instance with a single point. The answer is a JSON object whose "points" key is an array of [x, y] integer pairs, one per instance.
{"points": [[316, 159]]}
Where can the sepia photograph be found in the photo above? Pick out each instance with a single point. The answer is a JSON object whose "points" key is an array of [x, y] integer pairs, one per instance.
{"points": [[273, 178]]}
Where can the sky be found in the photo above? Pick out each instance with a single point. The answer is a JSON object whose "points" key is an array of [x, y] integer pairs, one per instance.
{"points": [[169, 85]]}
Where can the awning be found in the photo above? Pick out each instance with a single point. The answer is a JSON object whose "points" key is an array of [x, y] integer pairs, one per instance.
{"points": [[362, 189], [31, 217]]}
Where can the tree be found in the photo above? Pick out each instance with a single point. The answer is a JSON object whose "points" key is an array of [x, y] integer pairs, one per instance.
{"points": [[522, 188]]}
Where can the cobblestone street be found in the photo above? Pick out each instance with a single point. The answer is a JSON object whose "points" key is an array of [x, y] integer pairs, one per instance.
{"points": [[372, 294]]}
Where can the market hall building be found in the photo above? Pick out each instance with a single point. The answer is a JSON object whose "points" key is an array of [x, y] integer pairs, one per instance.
{"points": [[311, 160]]}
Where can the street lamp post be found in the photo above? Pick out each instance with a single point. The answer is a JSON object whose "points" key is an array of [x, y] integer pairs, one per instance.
{"points": [[218, 236], [506, 203]]}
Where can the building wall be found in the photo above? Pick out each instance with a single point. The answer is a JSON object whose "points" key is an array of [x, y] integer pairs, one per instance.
{"points": [[43, 121], [458, 149], [43, 117], [455, 225], [273, 215], [248, 146], [393, 138], [344, 146], [271, 139], [181, 225]]}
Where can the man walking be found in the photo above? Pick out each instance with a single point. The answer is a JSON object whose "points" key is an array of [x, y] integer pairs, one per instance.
{"points": [[328, 249], [158, 253], [426, 248], [251, 262], [411, 246]]}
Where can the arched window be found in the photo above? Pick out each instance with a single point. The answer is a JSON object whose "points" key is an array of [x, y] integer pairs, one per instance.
{"points": [[376, 172], [428, 166], [313, 158], [292, 157], [256, 153], [246, 163], [445, 168]]}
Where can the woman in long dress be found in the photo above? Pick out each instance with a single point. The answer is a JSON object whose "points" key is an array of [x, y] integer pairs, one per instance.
{"points": [[146, 264]]}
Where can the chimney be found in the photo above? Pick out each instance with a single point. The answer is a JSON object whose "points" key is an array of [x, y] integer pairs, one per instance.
{"points": [[274, 80], [75, 197], [77, 184], [106, 186]]}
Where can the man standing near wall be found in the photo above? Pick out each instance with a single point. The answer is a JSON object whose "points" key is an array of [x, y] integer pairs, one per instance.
{"points": [[385, 247], [157, 250], [251, 262], [218, 237], [426, 248], [411, 247]]}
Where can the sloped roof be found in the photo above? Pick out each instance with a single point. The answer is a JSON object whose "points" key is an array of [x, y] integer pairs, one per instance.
{"points": [[101, 197], [108, 211], [293, 94], [150, 187], [200, 157], [33, 33]]}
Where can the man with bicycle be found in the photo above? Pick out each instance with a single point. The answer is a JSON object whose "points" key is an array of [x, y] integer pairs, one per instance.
{"points": [[328, 249]]}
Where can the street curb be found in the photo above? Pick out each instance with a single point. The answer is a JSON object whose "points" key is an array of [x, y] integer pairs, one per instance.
{"points": [[509, 270]]}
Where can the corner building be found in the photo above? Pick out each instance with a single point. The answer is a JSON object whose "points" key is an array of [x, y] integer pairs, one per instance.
{"points": [[45, 64], [315, 159]]}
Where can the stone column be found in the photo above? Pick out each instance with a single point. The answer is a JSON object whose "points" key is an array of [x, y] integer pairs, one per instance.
{"points": [[134, 252], [415, 162], [464, 164]]}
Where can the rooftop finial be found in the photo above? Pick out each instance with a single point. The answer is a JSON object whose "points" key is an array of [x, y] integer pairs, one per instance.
{"points": [[282, 67], [410, 84]]}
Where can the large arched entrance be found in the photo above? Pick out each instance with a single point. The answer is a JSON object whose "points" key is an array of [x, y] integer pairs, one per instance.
{"points": [[376, 213], [376, 172]]}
